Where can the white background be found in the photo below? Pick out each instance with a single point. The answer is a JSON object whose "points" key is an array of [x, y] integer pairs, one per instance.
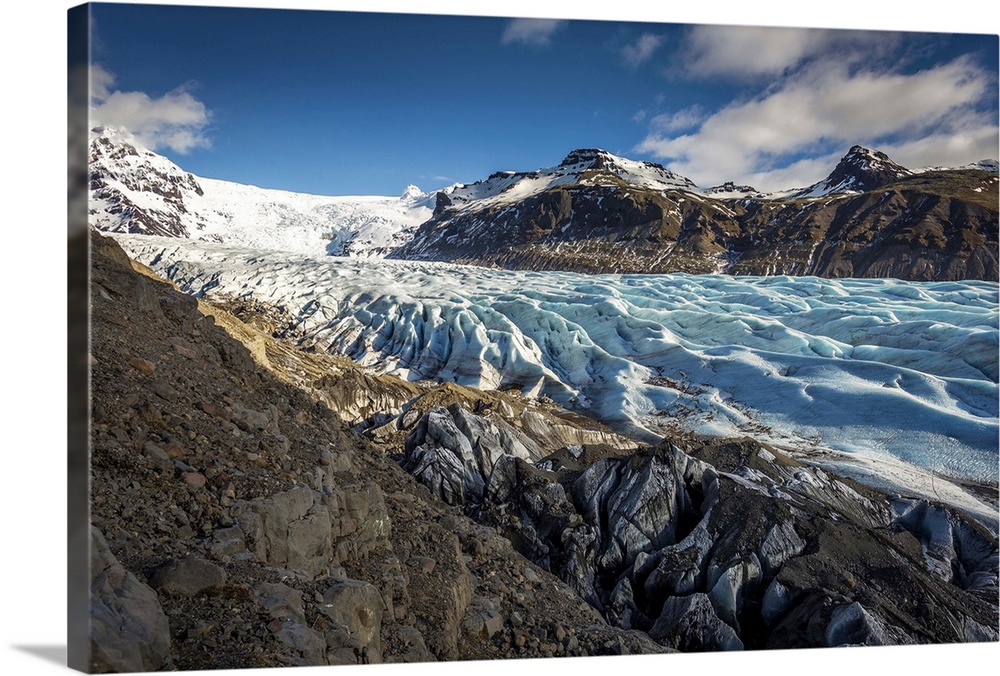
{"points": [[33, 432]]}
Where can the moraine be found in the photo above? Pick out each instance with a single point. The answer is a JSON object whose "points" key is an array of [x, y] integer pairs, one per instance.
{"points": [[892, 381]]}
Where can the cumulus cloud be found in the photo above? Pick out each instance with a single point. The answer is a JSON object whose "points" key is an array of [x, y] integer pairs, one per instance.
{"points": [[740, 51], [687, 118], [642, 50], [176, 120], [820, 105], [966, 143], [531, 31], [101, 81], [799, 174]]}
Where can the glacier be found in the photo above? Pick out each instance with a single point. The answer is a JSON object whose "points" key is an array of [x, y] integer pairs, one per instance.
{"points": [[882, 376]]}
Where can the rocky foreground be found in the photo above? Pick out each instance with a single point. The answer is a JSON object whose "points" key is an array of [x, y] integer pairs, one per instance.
{"points": [[256, 505]]}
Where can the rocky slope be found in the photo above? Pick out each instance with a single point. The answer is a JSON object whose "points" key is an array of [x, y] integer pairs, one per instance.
{"points": [[237, 521], [870, 218]]}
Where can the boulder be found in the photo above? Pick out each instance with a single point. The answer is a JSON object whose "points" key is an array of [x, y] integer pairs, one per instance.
{"points": [[187, 577], [280, 601], [306, 530], [129, 631], [355, 611]]}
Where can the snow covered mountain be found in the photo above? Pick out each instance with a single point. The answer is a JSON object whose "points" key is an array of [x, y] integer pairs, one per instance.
{"points": [[590, 166], [595, 212], [133, 189]]}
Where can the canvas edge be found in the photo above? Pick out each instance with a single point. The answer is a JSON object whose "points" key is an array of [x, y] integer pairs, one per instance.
{"points": [[78, 569], [78, 334]]}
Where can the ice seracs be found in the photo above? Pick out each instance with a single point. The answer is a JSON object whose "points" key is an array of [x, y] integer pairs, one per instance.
{"points": [[884, 374]]}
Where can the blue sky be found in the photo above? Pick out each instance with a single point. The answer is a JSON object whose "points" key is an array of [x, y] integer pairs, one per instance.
{"points": [[366, 103]]}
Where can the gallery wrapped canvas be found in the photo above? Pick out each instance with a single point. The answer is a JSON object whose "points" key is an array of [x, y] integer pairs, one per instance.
{"points": [[403, 338]]}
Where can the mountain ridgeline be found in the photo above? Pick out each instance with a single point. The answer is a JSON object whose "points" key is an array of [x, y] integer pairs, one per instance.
{"points": [[594, 212], [869, 218]]}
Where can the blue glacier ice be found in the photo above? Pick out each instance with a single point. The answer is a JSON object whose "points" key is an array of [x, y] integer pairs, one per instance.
{"points": [[887, 370]]}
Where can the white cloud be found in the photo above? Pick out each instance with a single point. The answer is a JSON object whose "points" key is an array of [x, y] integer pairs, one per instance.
{"points": [[823, 104], [799, 174], [176, 120], [531, 31], [971, 142], [637, 54], [757, 50], [683, 119], [100, 82]]}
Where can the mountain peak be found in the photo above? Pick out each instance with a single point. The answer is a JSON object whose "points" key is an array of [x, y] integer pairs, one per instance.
{"points": [[867, 157], [411, 192], [860, 170], [594, 157], [640, 172], [731, 189], [862, 150], [109, 130]]}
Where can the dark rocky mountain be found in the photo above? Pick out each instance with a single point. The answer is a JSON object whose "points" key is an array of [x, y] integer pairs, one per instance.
{"points": [[254, 504], [869, 218], [860, 170]]}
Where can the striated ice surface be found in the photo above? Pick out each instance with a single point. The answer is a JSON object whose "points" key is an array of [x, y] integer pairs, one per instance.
{"points": [[893, 373]]}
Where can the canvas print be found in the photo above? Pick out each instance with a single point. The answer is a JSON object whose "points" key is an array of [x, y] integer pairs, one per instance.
{"points": [[417, 338]]}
